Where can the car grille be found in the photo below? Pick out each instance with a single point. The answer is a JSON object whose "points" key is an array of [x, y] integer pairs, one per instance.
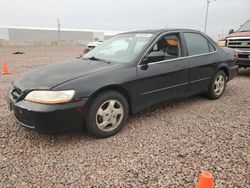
{"points": [[238, 43], [17, 94]]}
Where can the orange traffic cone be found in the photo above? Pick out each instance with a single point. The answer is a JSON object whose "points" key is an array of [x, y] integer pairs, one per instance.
{"points": [[206, 180], [5, 68]]}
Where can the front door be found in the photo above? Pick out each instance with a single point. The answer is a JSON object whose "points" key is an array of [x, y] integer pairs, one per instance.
{"points": [[163, 79]]}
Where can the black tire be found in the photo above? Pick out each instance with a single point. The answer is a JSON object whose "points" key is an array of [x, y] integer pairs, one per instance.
{"points": [[98, 101], [211, 94]]}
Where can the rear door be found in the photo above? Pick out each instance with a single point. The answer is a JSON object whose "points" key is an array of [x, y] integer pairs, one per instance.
{"points": [[165, 79], [202, 61]]}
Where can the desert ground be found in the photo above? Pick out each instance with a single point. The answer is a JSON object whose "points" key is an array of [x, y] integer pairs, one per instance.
{"points": [[167, 145]]}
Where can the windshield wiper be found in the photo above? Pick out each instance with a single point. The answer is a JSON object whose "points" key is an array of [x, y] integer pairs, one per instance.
{"points": [[97, 59]]}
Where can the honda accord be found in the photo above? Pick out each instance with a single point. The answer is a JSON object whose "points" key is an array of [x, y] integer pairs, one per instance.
{"points": [[121, 76]]}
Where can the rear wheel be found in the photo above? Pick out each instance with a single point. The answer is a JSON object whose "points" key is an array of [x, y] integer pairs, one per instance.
{"points": [[217, 86], [107, 114]]}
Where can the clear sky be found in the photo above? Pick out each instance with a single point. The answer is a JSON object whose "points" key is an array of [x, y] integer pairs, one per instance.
{"points": [[126, 14]]}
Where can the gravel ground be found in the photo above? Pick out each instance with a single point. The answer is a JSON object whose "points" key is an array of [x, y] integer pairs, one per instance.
{"points": [[165, 146]]}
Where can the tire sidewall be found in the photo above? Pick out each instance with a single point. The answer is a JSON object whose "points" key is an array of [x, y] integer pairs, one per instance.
{"points": [[212, 94], [91, 126]]}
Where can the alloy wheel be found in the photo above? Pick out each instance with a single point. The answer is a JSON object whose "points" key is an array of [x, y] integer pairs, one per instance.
{"points": [[219, 84], [109, 115]]}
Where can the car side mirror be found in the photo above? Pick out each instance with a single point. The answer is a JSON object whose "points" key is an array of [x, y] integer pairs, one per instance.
{"points": [[154, 56], [231, 31]]}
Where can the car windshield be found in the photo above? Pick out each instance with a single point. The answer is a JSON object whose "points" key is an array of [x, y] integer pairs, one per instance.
{"points": [[121, 48], [245, 26]]}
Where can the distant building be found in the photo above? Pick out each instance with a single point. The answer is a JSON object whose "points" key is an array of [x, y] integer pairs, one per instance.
{"points": [[50, 36]]}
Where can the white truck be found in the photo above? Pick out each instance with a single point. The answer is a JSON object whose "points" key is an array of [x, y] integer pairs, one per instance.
{"points": [[240, 41]]}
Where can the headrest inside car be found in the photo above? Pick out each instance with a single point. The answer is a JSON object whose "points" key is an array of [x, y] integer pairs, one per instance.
{"points": [[173, 50]]}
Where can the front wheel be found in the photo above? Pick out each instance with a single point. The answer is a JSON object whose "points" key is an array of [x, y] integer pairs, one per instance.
{"points": [[217, 86], [107, 114]]}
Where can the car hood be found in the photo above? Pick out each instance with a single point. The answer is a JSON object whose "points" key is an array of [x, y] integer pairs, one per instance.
{"points": [[53, 75], [240, 34]]}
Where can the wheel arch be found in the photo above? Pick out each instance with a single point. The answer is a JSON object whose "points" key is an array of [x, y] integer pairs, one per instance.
{"points": [[116, 88], [225, 69]]}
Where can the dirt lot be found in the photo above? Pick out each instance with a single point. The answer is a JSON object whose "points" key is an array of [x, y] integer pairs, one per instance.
{"points": [[165, 146]]}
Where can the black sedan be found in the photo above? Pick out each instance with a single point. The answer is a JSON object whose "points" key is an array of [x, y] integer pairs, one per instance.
{"points": [[121, 76]]}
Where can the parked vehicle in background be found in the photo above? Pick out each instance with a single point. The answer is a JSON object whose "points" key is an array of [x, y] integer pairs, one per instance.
{"points": [[124, 75], [239, 41], [91, 45]]}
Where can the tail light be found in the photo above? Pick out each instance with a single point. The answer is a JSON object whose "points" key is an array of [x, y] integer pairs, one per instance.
{"points": [[236, 57]]}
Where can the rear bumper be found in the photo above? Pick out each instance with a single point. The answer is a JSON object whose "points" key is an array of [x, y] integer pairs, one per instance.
{"points": [[233, 72], [244, 58], [48, 118], [244, 63]]}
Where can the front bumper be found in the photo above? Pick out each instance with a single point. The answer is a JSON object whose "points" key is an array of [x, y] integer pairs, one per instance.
{"points": [[48, 118]]}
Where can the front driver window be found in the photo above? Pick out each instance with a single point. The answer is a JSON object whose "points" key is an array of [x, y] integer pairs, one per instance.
{"points": [[169, 45]]}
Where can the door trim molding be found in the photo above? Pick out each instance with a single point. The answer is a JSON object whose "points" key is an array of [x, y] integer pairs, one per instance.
{"points": [[163, 89], [199, 80]]}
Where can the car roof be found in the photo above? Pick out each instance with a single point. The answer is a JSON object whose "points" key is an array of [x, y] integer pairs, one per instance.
{"points": [[160, 31]]}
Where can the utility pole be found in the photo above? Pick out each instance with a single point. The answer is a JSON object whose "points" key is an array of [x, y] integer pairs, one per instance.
{"points": [[205, 28], [59, 30]]}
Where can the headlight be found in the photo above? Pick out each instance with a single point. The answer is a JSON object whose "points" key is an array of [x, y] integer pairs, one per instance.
{"points": [[50, 97]]}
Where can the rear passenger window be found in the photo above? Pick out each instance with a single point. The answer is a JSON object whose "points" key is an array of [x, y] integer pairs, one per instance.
{"points": [[196, 44], [211, 47]]}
